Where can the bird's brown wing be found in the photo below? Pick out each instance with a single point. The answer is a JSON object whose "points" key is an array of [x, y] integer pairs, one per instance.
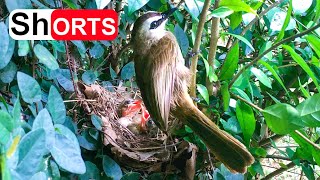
{"points": [[156, 74]]}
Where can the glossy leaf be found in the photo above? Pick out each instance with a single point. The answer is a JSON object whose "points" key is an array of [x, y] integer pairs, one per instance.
{"points": [[89, 77], [96, 121], [182, 39], [194, 7], [6, 46], [39, 176], [45, 57], [32, 148], [8, 73], [314, 42], [56, 106], [135, 5], [243, 39], [65, 153], [221, 12], [102, 3], [231, 63], [261, 76], [282, 118], [29, 88], [274, 73], [237, 5], [301, 6], [309, 111], [246, 120], [96, 51], [44, 121], [131, 176], [92, 172], [127, 71], [63, 130], [24, 47], [302, 63], [111, 168], [204, 92], [18, 4], [6, 126], [286, 22]]}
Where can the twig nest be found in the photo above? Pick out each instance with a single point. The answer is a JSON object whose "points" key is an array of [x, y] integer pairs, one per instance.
{"points": [[149, 151]]}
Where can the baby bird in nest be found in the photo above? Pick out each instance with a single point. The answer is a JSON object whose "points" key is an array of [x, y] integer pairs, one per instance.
{"points": [[134, 116]]}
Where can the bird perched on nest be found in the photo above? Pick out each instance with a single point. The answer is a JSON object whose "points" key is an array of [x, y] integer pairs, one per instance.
{"points": [[133, 115], [163, 80]]}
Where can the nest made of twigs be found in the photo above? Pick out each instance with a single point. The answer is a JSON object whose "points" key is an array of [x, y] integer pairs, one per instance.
{"points": [[147, 151]]}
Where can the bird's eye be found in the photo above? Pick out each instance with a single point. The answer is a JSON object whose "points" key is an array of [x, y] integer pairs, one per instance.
{"points": [[154, 25]]}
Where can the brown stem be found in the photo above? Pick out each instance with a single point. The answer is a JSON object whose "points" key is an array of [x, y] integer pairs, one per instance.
{"points": [[267, 141], [279, 171], [270, 49], [278, 157], [196, 47], [213, 46], [307, 140], [247, 102]]}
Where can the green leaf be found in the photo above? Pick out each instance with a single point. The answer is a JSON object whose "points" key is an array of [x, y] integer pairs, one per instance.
{"points": [[194, 8], [182, 39], [29, 88], [89, 77], [246, 120], [18, 4], [203, 92], [80, 45], [286, 22], [96, 51], [274, 73], [8, 73], [134, 5], [32, 148], [235, 20], [240, 93], [56, 106], [309, 111], [92, 172], [66, 132], [314, 43], [39, 176], [6, 46], [128, 71], [131, 176], [102, 3], [301, 6], [65, 153], [221, 12], [44, 121], [6, 126], [111, 168], [225, 96], [45, 57], [237, 5], [317, 9], [241, 38], [261, 76], [302, 63], [113, 74], [24, 47], [282, 118], [96, 121], [231, 63]]}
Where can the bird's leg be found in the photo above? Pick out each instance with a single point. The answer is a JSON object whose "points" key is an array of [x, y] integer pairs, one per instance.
{"points": [[189, 55]]}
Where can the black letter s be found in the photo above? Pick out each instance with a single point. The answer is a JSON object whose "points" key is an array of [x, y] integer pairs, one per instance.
{"points": [[25, 25]]}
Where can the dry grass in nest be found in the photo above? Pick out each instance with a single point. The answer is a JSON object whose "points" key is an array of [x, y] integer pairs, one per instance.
{"points": [[143, 152]]}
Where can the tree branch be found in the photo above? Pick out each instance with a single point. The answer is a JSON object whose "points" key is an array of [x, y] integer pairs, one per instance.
{"points": [[196, 47], [213, 46], [247, 102], [279, 171]]}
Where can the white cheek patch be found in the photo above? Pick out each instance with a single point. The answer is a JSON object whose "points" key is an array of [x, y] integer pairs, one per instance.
{"points": [[155, 34]]}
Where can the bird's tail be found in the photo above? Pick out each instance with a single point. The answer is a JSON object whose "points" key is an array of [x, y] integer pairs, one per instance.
{"points": [[231, 152]]}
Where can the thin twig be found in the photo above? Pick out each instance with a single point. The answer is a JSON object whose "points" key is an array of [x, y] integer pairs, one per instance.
{"points": [[279, 171], [278, 157], [213, 46], [196, 47], [307, 140], [247, 102], [270, 49]]}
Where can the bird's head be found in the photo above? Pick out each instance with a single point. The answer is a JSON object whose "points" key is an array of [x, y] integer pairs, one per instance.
{"points": [[151, 25]]}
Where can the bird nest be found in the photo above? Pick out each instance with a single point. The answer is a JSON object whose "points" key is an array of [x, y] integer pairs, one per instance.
{"points": [[149, 151]]}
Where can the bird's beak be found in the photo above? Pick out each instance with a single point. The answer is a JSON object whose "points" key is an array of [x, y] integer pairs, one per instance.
{"points": [[168, 13]]}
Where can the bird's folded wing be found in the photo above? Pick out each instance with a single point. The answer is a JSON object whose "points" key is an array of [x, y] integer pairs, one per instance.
{"points": [[159, 78]]}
